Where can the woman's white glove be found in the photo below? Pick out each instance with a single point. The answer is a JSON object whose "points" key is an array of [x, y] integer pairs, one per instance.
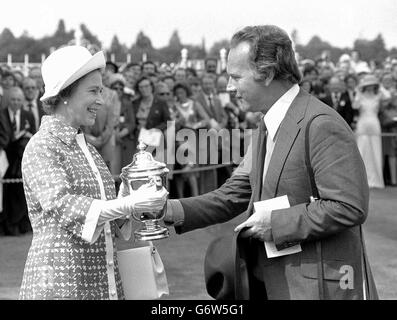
{"points": [[117, 208], [149, 198]]}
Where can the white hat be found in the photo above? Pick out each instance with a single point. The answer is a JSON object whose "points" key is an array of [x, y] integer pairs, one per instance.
{"points": [[66, 65]]}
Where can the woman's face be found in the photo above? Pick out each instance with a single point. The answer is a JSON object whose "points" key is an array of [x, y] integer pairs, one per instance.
{"points": [[119, 88], [180, 94], [351, 83], [145, 88], [85, 100]]}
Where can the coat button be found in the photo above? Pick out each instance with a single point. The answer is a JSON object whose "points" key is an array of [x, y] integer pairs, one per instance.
{"points": [[110, 263], [108, 232], [113, 292]]}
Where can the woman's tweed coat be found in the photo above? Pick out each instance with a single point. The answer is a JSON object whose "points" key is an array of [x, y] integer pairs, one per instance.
{"points": [[60, 186]]}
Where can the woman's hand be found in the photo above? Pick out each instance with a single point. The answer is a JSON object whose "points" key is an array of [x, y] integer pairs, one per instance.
{"points": [[149, 198]]}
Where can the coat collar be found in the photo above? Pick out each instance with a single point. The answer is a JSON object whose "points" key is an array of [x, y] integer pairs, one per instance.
{"points": [[61, 130], [288, 132]]}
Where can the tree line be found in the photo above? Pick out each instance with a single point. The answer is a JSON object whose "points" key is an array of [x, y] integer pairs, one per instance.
{"points": [[25, 44]]}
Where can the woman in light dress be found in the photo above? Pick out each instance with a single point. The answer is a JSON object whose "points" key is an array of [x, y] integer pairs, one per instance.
{"points": [[368, 101]]}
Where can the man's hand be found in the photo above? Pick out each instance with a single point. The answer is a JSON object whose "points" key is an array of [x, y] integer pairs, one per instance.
{"points": [[258, 226]]}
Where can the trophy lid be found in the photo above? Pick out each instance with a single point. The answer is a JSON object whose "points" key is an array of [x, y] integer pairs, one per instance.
{"points": [[143, 164]]}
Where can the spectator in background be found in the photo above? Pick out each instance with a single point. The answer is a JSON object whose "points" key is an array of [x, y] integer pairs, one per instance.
{"points": [[180, 75], [163, 93], [195, 86], [148, 67], [389, 124], [35, 74], [218, 119], [190, 73], [211, 65], [131, 73], [112, 67], [19, 127], [102, 134], [18, 76], [357, 64], [306, 85], [151, 113], [368, 130], [190, 115], [32, 101], [125, 131], [154, 77], [311, 74], [351, 82], [8, 81], [212, 105], [169, 81], [338, 98]]}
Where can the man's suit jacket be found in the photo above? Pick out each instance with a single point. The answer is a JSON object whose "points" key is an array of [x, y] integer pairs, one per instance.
{"points": [[15, 147], [158, 115], [335, 219], [40, 109], [343, 106], [218, 114]]}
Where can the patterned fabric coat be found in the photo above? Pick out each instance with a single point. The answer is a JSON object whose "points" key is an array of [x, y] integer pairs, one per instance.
{"points": [[60, 186]]}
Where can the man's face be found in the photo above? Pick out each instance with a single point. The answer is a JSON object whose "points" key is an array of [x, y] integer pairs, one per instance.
{"points": [[242, 79], [208, 85], [211, 66], [148, 68], [16, 99], [35, 74], [163, 92], [335, 85], [30, 90]]}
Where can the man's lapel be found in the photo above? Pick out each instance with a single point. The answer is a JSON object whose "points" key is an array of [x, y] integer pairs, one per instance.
{"points": [[287, 134]]}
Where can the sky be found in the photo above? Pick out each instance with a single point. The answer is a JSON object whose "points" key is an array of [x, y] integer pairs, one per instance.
{"points": [[339, 22]]}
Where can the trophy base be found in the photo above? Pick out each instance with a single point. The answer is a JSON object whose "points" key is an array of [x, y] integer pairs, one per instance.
{"points": [[149, 235]]}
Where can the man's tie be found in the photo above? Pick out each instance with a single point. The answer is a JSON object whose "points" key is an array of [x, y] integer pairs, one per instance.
{"points": [[14, 121], [211, 105], [260, 159], [30, 106]]}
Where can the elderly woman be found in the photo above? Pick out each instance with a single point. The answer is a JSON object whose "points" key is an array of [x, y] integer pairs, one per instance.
{"points": [[70, 192]]}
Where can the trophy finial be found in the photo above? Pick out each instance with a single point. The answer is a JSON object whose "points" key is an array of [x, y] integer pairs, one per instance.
{"points": [[141, 145]]}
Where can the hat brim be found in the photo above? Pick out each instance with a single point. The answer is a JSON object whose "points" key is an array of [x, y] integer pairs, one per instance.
{"points": [[368, 84], [96, 62]]}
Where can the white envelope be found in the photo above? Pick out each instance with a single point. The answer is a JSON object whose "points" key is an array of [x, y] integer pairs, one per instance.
{"points": [[274, 204]]}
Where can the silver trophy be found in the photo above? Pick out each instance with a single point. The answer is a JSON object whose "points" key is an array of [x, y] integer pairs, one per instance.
{"points": [[145, 171]]}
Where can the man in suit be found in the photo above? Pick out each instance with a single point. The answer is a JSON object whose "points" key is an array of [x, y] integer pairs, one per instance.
{"points": [[208, 98], [338, 98], [263, 71], [19, 126], [32, 103]]}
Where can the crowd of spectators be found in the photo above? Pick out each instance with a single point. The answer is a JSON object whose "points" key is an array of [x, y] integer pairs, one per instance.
{"points": [[148, 95]]}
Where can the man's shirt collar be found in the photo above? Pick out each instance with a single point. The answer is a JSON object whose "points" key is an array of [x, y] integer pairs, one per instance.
{"points": [[278, 110]]}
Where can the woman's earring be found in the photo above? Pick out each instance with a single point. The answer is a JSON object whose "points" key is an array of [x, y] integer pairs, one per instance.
{"points": [[65, 102]]}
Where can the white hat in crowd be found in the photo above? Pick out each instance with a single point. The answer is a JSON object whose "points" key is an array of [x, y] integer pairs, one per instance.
{"points": [[66, 65]]}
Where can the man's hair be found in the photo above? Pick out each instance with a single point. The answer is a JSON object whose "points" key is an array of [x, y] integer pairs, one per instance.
{"points": [[270, 49]]}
